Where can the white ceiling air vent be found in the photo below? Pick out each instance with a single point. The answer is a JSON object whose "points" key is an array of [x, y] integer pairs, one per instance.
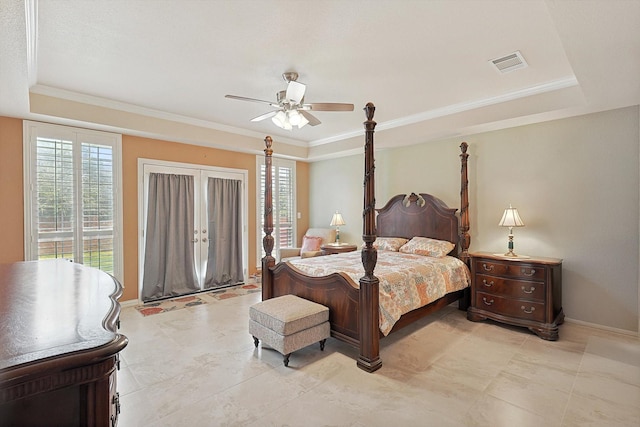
{"points": [[509, 62]]}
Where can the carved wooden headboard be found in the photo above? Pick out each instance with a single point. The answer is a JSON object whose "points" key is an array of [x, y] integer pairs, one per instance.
{"points": [[418, 215]]}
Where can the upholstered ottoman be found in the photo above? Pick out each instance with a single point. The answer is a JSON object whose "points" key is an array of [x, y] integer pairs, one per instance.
{"points": [[289, 323]]}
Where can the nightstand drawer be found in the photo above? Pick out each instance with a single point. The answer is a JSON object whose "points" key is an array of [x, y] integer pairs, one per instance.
{"points": [[509, 269], [510, 288], [522, 309]]}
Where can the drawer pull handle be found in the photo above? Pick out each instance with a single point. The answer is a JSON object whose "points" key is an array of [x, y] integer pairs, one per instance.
{"points": [[487, 268], [487, 284], [484, 300], [530, 273], [530, 291], [115, 400], [528, 312]]}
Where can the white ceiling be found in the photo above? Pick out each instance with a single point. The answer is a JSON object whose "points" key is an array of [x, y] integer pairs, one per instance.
{"points": [[162, 68]]}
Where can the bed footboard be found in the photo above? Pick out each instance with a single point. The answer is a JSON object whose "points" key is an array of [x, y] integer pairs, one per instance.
{"points": [[335, 291]]}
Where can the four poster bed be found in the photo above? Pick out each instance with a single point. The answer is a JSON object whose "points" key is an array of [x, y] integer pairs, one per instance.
{"points": [[358, 301]]}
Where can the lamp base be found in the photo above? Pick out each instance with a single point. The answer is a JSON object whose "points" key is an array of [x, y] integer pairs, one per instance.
{"points": [[511, 255]]}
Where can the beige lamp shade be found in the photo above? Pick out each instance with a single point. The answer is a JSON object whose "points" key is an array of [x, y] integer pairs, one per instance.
{"points": [[337, 220], [511, 218]]}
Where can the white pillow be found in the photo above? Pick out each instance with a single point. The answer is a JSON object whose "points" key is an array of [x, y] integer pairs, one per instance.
{"points": [[427, 247]]}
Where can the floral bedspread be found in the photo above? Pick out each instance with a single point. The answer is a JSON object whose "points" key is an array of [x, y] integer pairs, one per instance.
{"points": [[407, 281]]}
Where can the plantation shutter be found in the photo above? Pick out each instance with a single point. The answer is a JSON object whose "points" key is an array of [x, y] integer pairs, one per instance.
{"points": [[72, 201], [284, 204], [285, 212], [97, 206], [55, 199]]}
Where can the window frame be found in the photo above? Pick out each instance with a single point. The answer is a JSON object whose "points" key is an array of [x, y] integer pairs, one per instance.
{"points": [[31, 132]]}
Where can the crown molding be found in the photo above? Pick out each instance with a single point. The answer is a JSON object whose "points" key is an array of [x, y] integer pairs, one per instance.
{"points": [[149, 112], [559, 84]]}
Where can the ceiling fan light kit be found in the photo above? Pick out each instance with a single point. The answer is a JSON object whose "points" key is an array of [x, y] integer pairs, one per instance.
{"points": [[292, 111], [288, 119]]}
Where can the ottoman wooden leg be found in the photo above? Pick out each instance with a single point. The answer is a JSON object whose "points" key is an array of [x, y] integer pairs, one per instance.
{"points": [[255, 341], [322, 344], [286, 359]]}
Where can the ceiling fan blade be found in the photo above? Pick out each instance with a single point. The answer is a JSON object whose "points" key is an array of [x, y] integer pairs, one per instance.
{"points": [[295, 91], [265, 116], [242, 98], [313, 121], [328, 106]]}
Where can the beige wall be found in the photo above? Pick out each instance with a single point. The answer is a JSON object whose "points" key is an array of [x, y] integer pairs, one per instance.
{"points": [[11, 191], [302, 199], [575, 183]]}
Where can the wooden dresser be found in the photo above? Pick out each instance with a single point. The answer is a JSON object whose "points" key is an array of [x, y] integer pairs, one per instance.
{"points": [[519, 291], [58, 345]]}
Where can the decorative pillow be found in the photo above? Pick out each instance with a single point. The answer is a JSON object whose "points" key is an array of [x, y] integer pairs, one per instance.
{"points": [[428, 247], [389, 243], [310, 244]]}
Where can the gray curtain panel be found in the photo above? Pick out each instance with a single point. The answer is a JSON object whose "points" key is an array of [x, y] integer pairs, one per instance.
{"points": [[169, 265], [224, 263]]}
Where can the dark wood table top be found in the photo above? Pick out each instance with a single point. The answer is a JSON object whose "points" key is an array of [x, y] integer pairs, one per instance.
{"points": [[51, 310]]}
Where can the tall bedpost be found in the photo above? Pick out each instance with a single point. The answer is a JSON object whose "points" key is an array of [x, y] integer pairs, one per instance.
{"points": [[465, 237], [267, 240], [369, 329]]}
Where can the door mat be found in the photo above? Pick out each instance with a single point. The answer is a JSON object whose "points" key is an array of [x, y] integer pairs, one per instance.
{"points": [[169, 305], [235, 291]]}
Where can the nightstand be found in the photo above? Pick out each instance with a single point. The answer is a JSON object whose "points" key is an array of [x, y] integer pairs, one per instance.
{"points": [[519, 291], [333, 248]]}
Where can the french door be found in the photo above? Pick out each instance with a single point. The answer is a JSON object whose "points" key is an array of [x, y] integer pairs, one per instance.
{"points": [[196, 252]]}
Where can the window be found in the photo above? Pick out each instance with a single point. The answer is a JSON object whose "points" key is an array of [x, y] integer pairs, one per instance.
{"points": [[284, 204], [72, 197]]}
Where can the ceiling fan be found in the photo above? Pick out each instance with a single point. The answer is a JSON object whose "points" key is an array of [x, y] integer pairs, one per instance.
{"points": [[291, 109]]}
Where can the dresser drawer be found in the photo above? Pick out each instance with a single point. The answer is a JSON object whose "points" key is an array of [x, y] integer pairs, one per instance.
{"points": [[513, 269], [522, 309], [510, 288]]}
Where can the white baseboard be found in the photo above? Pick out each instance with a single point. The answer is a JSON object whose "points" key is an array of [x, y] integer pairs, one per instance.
{"points": [[602, 327], [129, 303]]}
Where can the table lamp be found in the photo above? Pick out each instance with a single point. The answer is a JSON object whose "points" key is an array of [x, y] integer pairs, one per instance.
{"points": [[511, 219], [336, 222]]}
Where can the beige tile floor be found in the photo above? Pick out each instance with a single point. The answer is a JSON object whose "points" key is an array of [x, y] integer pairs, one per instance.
{"points": [[198, 367]]}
